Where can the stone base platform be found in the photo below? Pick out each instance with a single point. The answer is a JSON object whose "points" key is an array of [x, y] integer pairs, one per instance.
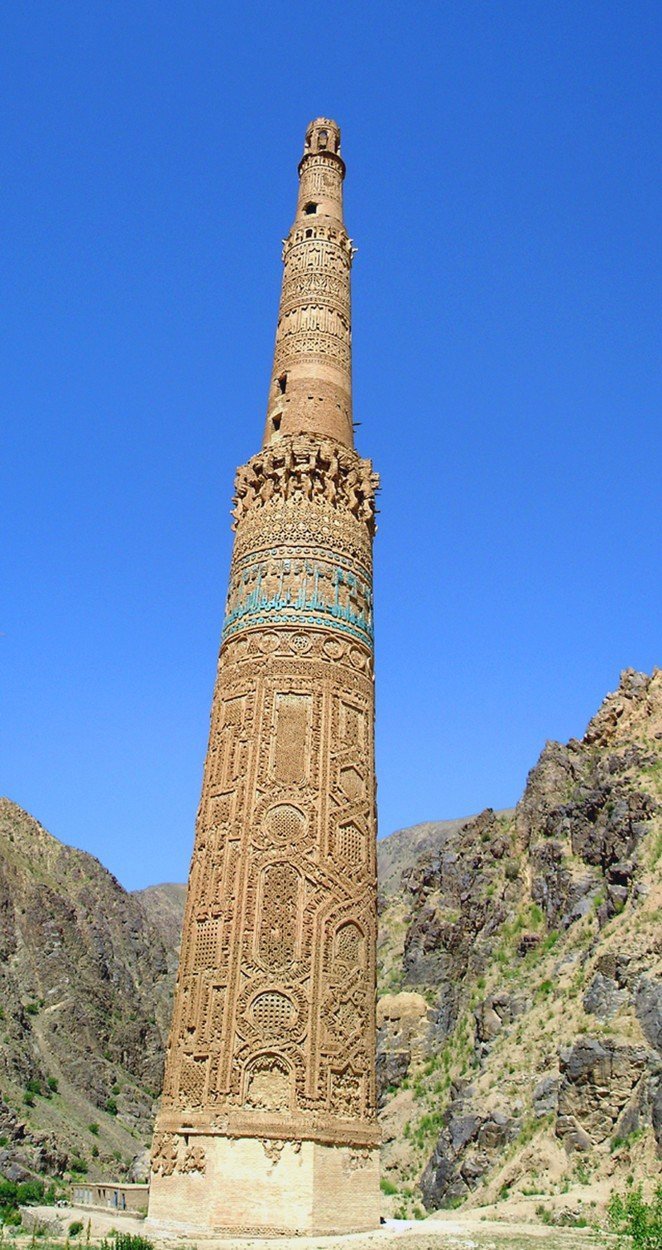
{"points": [[268, 1189]]}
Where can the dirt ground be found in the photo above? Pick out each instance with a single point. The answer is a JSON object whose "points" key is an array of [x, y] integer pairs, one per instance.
{"points": [[473, 1230]]}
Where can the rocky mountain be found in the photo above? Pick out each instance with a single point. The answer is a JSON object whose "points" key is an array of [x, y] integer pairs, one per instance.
{"points": [[397, 852], [520, 1013], [85, 982], [520, 990], [164, 908]]}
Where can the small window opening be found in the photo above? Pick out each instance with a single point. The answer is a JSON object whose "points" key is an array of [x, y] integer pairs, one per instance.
{"points": [[282, 383], [309, 234], [309, 209], [275, 421]]}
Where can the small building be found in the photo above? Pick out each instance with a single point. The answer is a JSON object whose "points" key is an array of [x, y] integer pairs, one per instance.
{"points": [[113, 1197]]}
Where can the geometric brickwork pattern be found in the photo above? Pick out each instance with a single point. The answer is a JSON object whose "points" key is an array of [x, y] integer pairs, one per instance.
{"points": [[273, 1033]]}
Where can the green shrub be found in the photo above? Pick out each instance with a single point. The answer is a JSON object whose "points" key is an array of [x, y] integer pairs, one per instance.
{"points": [[8, 1193], [126, 1241], [545, 1215], [428, 1124], [451, 1204], [75, 1228], [14, 1195], [623, 1143], [387, 1187], [10, 1216], [631, 1216], [33, 1086], [93, 1129], [111, 1106], [30, 1192], [53, 1084]]}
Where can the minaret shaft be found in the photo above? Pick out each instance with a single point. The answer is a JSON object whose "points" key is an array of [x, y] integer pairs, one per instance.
{"points": [[311, 384], [268, 1119]]}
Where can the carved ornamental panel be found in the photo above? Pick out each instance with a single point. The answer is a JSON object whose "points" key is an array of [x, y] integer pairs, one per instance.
{"points": [[273, 1032]]}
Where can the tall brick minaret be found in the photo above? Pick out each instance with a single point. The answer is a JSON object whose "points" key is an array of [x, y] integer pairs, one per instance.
{"points": [[267, 1123]]}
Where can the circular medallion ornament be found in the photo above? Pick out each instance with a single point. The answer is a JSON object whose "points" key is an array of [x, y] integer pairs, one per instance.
{"points": [[300, 643], [272, 1012], [269, 1011], [284, 822], [334, 649], [268, 643]]}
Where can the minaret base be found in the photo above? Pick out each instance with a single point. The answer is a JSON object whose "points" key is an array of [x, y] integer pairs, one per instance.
{"points": [[270, 1188]]}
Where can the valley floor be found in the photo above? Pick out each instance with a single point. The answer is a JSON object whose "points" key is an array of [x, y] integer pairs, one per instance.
{"points": [[473, 1230]]}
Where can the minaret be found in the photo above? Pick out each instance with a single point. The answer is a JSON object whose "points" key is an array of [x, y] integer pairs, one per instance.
{"points": [[268, 1121]]}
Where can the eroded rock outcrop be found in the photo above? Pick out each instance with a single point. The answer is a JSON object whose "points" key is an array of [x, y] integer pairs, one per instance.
{"points": [[535, 939], [598, 1079]]}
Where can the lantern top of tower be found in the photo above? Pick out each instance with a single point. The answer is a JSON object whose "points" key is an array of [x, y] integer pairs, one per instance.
{"points": [[322, 135]]}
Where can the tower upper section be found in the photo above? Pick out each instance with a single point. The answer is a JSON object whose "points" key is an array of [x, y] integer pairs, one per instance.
{"points": [[311, 384]]}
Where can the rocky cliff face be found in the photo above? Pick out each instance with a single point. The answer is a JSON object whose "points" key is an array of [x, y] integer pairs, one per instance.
{"points": [[520, 996], [85, 979], [520, 1041], [164, 907]]}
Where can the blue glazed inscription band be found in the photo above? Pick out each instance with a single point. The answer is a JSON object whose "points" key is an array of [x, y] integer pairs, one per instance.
{"points": [[300, 592]]}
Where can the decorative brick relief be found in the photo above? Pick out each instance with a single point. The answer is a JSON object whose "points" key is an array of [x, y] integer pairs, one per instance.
{"points": [[193, 1160], [273, 1032], [298, 469], [279, 932], [293, 717], [349, 946], [268, 1084], [171, 1153], [164, 1154]]}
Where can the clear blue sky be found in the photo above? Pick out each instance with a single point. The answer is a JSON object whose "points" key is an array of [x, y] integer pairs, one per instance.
{"points": [[503, 192]]}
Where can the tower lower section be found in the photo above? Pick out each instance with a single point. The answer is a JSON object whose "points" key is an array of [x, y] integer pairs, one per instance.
{"points": [[264, 1188]]}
